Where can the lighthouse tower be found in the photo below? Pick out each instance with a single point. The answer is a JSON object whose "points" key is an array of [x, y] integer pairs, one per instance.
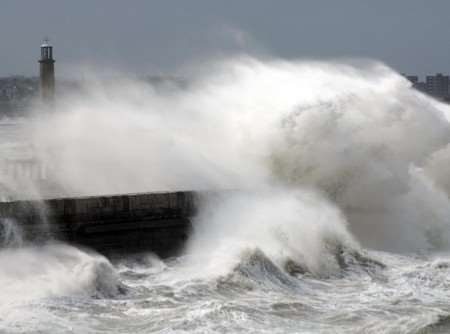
{"points": [[47, 72]]}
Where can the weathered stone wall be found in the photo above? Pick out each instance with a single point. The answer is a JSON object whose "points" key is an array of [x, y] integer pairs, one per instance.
{"points": [[158, 222]]}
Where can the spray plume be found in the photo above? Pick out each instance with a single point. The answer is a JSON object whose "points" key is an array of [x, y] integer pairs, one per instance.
{"points": [[355, 134]]}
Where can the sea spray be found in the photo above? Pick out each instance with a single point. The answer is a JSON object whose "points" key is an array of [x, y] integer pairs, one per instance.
{"points": [[355, 132], [30, 218], [20, 191], [288, 226], [11, 234]]}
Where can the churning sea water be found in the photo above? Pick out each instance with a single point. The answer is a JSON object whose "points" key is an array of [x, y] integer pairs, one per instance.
{"points": [[60, 289]]}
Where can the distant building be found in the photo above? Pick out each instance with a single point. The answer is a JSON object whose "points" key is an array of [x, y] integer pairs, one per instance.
{"points": [[437, 85], [421, 86], [16, 93], [413, 78]]}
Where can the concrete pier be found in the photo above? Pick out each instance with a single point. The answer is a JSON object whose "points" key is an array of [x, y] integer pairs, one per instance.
{"points": [[157, 222]]}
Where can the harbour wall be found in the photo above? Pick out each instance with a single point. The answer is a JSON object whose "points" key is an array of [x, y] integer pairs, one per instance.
{"points": [[157, 222]]}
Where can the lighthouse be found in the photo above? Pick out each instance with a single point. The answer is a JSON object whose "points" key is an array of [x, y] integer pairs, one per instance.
{"points": [[47, 72]]}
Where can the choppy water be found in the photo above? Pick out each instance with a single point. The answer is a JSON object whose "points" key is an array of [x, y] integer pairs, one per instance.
{"points": [[63, 290], [339, 222]]}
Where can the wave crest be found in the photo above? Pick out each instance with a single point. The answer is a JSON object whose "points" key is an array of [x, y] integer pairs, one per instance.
{"points": [[286, 226], [32, 273]]}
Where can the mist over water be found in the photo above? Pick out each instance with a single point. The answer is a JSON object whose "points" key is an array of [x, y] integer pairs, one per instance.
{"points": [[326, 172]]}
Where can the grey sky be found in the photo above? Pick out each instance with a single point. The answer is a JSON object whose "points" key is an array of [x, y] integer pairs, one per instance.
{"points": [[156, 36]]}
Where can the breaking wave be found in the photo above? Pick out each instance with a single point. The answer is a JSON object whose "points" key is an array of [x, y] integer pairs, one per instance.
{"points": [[295, 232], [33, 273]]}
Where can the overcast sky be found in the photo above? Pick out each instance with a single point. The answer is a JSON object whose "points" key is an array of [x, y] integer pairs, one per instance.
{"points": [[158, 36]]}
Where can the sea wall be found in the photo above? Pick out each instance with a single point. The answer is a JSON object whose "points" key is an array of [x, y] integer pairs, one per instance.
{"points": [[158, 222]]}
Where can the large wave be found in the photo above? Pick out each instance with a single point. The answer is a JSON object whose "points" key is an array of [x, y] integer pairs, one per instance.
{"points": [[292, 228]]}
